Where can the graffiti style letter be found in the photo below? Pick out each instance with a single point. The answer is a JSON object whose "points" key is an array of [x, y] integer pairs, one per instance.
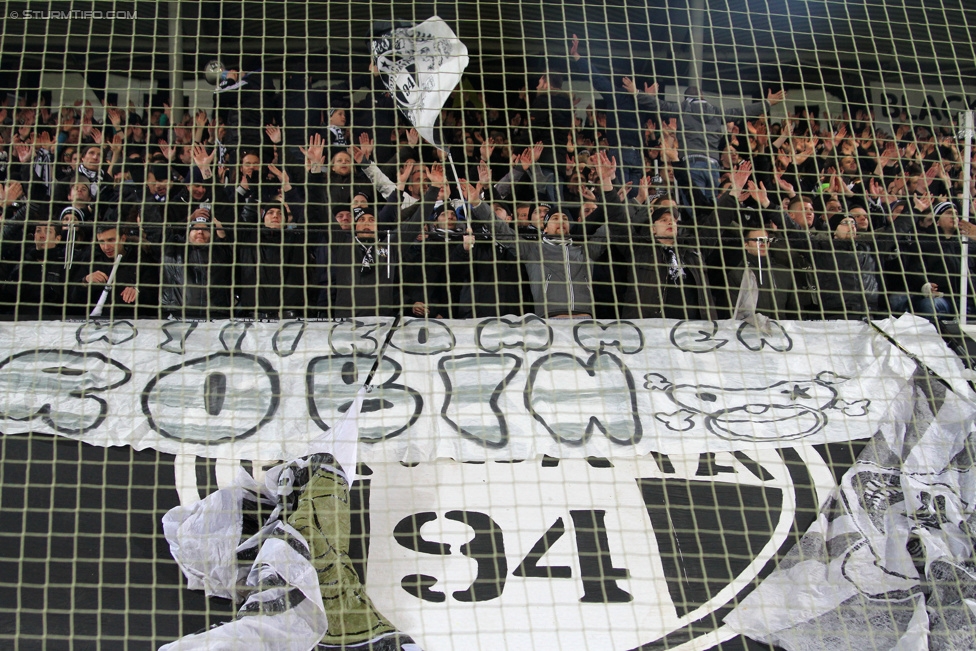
{"points": [[603, 398], [529, 333], [470, 382], [213, 399], [331, 385], [177, 332], [57, 386], [423, 337], [696, 336], [286, 339], [594, 336], [114, 333]]}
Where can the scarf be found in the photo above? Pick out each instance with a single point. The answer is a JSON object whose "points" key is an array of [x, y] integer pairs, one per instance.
{"points": [[92, 178], [337, 133], [675, 271], [43, 163], [558, 241], [368, 260]]}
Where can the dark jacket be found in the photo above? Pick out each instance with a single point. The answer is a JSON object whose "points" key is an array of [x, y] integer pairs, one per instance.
{"points": [[197, 279], [352, 286], [842, 269], [36, 288], [652, 292], [139, 268], [272, 264], [490, 280]]}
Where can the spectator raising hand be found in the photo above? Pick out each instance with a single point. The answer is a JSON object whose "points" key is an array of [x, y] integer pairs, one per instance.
{"points": [[364, 151], [314, 154]]}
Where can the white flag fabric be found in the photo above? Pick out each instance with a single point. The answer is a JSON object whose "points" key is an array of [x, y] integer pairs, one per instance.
{"points": [[283, 610], [342, 441], [889, 562], [421, 66]]}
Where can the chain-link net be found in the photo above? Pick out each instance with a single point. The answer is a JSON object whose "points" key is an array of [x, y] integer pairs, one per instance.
{"points": [[649, 322]]}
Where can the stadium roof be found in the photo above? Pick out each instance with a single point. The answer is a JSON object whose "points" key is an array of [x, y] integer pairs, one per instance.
{"points": [[745, 42]]}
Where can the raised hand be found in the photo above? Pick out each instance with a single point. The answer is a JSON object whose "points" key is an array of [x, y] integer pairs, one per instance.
{"points": [[201, 158], [740, 176], [784, 185], [606, 170], [435, 173], [413, 138], [758, 193], [629, 85], [364, 150], [472, 193], [13, 192], [536, 151], [923, 202], [484, 174], [274, 133], [168, 152], [643, 190], [24, 152], [115, 117], [405, 172], [315, 154], [486, 150], [574, 48]]}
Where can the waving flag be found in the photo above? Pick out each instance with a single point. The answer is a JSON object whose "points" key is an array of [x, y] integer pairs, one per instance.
{"points": [[421, 66]]}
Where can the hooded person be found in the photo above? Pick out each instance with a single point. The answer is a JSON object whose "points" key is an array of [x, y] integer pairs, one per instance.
{"points": [[271, 260]]}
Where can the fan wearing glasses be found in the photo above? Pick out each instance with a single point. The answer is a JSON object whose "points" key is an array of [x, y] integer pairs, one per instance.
{"points": [[776, 292]]}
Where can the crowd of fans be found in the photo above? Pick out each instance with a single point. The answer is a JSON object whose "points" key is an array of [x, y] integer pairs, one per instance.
{"points": [[301, 203]]}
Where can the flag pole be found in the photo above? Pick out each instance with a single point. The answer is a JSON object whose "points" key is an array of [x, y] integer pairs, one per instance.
{"points": [[457, 180], [100, 305]]}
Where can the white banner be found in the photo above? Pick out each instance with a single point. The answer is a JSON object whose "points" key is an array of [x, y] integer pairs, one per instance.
{"points": [[463, 390]]}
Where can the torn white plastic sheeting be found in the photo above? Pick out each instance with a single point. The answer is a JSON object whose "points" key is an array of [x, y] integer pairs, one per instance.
{"points": [[205, 539], [889, 562]]}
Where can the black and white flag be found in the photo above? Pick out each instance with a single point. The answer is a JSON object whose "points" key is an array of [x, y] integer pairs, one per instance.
{"points": [[421, 66]]}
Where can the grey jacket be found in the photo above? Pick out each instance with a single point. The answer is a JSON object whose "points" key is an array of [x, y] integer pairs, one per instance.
{"points": [[559, 271]]}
